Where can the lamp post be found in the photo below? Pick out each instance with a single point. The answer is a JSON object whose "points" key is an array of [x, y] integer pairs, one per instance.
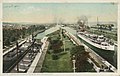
{"points": [[74, 61]]}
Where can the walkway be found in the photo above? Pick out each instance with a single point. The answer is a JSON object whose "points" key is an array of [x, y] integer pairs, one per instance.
{"points": [[41, 60], [39, 57], [73, 38]]}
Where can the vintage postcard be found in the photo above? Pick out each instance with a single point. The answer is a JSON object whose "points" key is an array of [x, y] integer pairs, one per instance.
{"points": [[62, 37]]}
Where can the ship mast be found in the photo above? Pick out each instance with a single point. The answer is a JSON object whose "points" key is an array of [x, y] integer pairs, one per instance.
{"points": [[97, 21]]}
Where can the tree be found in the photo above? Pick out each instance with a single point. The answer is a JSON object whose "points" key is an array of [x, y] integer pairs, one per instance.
{"points": [[81, 60], [80, 56], [56, 44], [77, 50], [110, 27]]}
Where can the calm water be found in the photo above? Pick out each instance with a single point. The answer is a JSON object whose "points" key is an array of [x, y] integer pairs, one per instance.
{"points": [[46, 32], [53, 29], [71, 30]]}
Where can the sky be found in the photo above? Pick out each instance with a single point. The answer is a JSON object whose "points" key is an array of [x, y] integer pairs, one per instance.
{"points": [[56, 12]]}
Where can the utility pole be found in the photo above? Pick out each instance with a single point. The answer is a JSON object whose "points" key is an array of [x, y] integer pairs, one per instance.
{"points": [[17, 47], [32, 44], [97, 21]]}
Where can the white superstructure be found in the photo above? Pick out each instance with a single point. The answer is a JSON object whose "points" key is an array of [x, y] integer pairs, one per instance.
{"points": [[96, 41]]}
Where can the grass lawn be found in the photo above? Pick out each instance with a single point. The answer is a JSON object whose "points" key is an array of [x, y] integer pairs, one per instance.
{"points": [[63, 64]]}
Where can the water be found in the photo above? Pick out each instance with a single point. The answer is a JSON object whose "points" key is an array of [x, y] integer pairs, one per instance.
{"points": [[71, 30], [46, 32]]}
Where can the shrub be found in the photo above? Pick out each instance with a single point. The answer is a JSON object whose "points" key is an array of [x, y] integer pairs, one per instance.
{"points": [[55, 57], [57, 51]]}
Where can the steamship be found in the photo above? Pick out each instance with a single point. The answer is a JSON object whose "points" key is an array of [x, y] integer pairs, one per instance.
{"points": [[98, 43]]}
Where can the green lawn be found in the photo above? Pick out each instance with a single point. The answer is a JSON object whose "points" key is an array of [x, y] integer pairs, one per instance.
{"points": [[63, 64]]}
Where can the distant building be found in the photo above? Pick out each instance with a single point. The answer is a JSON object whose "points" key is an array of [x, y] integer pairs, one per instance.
{"points": [[15, 26]]}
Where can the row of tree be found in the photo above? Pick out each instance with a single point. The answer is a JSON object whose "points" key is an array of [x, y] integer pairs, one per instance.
{"points": [[11, 35], [79, 54], [55, 45]]}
